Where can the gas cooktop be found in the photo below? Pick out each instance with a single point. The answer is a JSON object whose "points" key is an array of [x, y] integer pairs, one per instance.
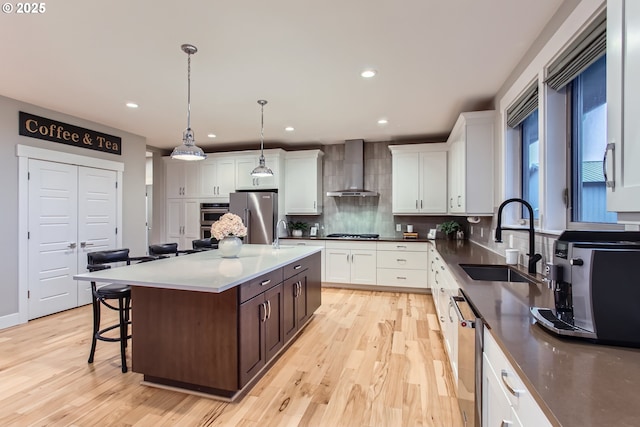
{"points": [[353, 236]]}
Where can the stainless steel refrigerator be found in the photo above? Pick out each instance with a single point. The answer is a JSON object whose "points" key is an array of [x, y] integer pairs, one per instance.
{"points": [[259, 212]]}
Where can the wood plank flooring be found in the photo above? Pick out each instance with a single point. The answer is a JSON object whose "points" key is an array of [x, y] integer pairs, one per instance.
{"points": [[371, 359]]}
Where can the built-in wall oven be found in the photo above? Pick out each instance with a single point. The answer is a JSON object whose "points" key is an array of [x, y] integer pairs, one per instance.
{"points": [[470, 340], [210, 213]]}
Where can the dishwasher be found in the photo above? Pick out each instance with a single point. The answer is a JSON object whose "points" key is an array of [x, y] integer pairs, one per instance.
{"points": [[470, 330]]}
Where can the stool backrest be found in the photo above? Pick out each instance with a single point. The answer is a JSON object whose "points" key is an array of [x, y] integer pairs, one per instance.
{"points": [[202, 244], [108, 256], [163, 249]]}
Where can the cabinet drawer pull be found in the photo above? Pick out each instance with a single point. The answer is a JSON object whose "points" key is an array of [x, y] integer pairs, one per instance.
{"points": [[265, 282], [401, 260], [401, 246], [401, 278], [269, 309], [297, 267], [504, 374]]}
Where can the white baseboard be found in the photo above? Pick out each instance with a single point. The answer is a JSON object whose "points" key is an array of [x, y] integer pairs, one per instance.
{"points": [[9, 320]]}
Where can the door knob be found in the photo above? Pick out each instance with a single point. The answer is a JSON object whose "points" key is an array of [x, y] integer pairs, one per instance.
{"points": [[72, 245]]}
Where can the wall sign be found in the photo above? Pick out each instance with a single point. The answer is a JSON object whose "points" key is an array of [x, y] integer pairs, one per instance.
{"points": [[51, 130]]}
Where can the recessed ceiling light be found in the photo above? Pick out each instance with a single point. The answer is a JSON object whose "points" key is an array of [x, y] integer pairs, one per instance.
{"points": [[132, 105], [289, 129], [383, 121], [211, 135], [367, 74]]}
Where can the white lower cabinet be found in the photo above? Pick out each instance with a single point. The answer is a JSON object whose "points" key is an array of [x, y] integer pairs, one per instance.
{"points": [[402, 264], [443, 287], [505, 399], [351, 262], [309, 242]]}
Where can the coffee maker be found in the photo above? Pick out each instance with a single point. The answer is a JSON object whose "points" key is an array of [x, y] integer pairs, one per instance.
{"points": [[595, 278]]}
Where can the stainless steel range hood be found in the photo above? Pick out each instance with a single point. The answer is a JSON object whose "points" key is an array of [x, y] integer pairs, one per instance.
{"points": [[353, 171]]}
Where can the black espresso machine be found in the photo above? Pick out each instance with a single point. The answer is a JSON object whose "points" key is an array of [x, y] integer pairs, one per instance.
{"points": [[595, 276]]}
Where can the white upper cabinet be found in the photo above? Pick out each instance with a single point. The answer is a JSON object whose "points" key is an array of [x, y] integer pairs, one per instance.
{"points": [[218, 177], [419, 179], [303, 182], [623, 106], [246, 163], [471, 164], [182, 178]]}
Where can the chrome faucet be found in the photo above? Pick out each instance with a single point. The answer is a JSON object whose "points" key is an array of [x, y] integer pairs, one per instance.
{"points": [[533, 257], [276, 238]]}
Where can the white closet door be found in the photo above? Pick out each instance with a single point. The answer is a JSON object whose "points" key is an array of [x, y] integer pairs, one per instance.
{"points": [[96, 219], [53, 237]]}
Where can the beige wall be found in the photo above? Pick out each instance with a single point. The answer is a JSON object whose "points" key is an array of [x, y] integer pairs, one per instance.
{"points": [[133, 199]]}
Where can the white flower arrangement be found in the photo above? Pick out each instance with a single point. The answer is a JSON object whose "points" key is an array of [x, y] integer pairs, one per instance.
{"points": [[228, 225]]}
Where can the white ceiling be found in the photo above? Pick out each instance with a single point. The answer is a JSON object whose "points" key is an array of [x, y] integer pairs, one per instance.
{"points": [[435, 59]]}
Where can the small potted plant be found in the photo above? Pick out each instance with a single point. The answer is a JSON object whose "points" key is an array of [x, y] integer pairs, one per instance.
{"points": [[297, 228], [449, 228]]}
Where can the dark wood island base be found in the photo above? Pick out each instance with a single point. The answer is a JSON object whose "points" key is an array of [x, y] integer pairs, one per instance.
{"points": [[220, 344]]}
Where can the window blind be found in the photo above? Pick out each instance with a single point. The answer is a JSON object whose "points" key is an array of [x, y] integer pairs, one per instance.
{"points": [[584, 51], [523, 106]]}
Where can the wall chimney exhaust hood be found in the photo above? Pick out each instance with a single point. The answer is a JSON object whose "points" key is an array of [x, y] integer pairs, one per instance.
{"points": [[353, 171]]}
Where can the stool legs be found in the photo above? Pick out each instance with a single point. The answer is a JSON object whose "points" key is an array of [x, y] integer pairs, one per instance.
{"points": [[124, 306], [124, 329], [96, 326]]}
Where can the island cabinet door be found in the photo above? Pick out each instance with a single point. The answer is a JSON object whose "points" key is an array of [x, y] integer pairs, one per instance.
{"points": [[289, 307], [273, 324], [261, 331], [252, 347], [295, 312]]}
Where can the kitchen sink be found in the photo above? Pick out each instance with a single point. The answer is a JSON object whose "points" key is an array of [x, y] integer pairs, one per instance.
{"points": [[493, 273]]}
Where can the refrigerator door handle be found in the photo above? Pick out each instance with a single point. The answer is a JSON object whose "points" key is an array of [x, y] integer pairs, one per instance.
{"points": [[247, 221]]}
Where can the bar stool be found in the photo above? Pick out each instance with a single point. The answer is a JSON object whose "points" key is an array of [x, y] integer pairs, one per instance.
{"points": [[106, 295], [203, 244], [162, 250]]}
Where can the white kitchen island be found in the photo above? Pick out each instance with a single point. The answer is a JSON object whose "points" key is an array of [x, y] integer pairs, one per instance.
{"points": [[212, 325]]}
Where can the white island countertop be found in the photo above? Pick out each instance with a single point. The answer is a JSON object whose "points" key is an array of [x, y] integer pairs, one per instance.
{"points": [[203, 271]]}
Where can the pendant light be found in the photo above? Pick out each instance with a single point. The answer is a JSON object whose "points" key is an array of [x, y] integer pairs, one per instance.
{"points": [[188, 150], [262, 170]]}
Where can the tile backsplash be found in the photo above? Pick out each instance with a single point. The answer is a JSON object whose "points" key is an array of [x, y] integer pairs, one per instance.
{"points": [[483, 234], [365, 214]]}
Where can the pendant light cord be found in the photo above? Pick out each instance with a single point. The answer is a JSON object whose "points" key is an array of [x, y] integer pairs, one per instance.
{"points": [[262, 130], [188, 90]]}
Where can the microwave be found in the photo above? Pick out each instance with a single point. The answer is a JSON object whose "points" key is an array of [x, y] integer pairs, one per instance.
{"points": [[211, 212]]}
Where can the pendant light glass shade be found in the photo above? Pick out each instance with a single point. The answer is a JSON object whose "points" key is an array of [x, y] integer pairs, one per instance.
{"points": [[261, 170], [188, 150]]}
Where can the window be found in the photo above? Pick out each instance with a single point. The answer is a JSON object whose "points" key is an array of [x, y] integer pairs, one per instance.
{"points": [[530, 163], [588, 138]]}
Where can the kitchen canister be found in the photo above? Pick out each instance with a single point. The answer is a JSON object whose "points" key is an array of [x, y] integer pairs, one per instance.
{"points": [[512, 256]]}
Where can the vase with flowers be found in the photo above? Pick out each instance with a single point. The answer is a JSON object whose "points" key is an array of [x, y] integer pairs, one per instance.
{"points": [[228, 230]]}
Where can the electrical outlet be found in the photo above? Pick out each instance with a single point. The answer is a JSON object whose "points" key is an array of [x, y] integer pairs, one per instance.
{"points": [[398, 227], [510, 240], [481, 231], [471, 230]]}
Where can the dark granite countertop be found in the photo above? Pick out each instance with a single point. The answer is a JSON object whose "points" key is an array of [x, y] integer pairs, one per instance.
{"points": [[576, 382]]}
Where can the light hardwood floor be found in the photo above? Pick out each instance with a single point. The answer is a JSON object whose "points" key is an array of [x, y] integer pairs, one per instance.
{"points": [[366, 359]]}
